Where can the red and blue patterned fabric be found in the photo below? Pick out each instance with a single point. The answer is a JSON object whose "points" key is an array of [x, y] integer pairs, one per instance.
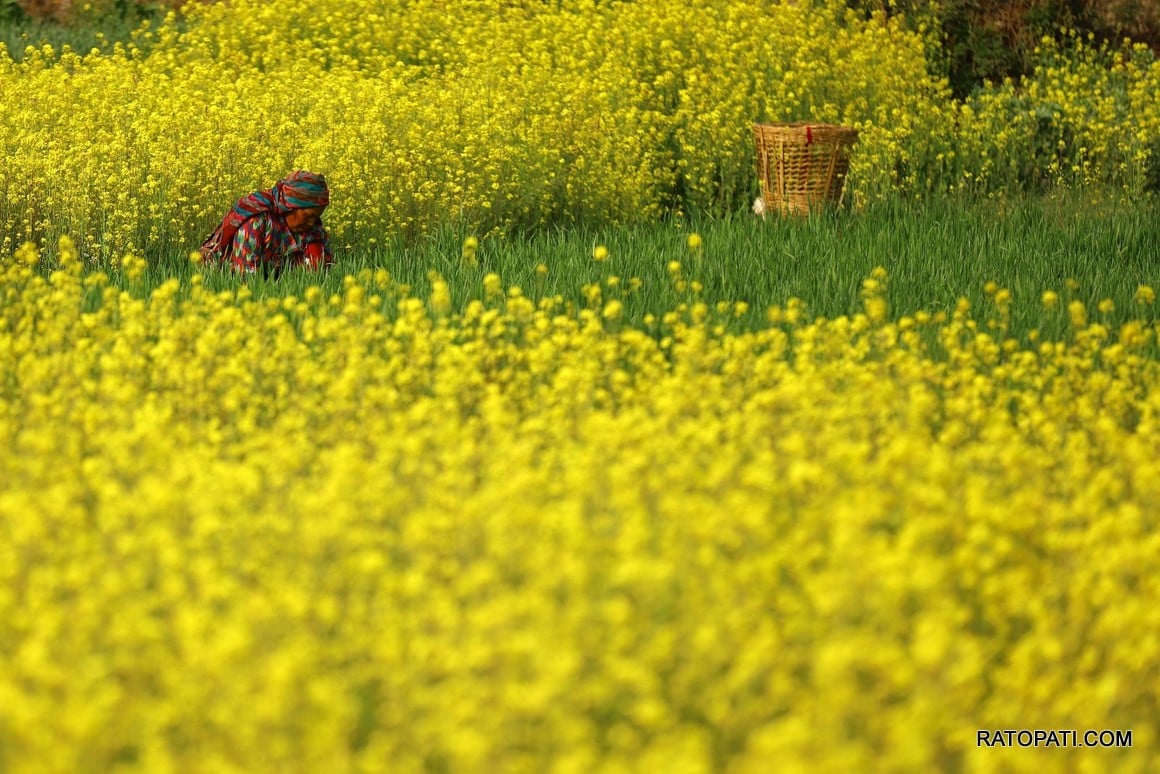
{"points": [[254, 235], [264, 243]]}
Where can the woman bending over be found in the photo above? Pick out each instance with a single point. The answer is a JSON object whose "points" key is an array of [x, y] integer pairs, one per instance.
{"points": [[275, 228]]}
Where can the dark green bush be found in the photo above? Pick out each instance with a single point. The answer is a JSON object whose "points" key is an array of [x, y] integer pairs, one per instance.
{"points": [[989, 40]]}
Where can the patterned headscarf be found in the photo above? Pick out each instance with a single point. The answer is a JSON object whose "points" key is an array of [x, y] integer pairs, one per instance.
{"points": [[296, 191]]}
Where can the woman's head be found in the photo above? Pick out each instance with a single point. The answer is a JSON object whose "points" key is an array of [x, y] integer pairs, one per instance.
{"points": [[302, 197], [301, 190]]}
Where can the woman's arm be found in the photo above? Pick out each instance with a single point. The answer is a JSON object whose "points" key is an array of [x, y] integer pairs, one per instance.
{"points": [[316, 254]]}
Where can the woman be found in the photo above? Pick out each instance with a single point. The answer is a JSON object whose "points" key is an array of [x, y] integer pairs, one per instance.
{"points": [[274, 228]]}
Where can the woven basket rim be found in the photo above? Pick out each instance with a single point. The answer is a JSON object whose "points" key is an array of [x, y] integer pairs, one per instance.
{"points": [[802, 123], [796, 128]]}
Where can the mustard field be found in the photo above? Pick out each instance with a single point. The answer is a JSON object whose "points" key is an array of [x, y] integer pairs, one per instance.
{"points": [[732, 496], [514, 115], [303, 534]]}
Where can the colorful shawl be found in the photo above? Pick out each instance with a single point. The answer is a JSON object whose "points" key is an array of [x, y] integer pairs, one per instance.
{"points": [[298, 190]]}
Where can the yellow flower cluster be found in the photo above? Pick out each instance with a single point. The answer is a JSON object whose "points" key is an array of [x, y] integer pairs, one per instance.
{"points": [[506, 115], [1088, 114], [358, 532], [498, 114]]}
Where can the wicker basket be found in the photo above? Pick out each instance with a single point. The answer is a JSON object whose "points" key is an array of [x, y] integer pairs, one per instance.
{"points": [[802, 166]]}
